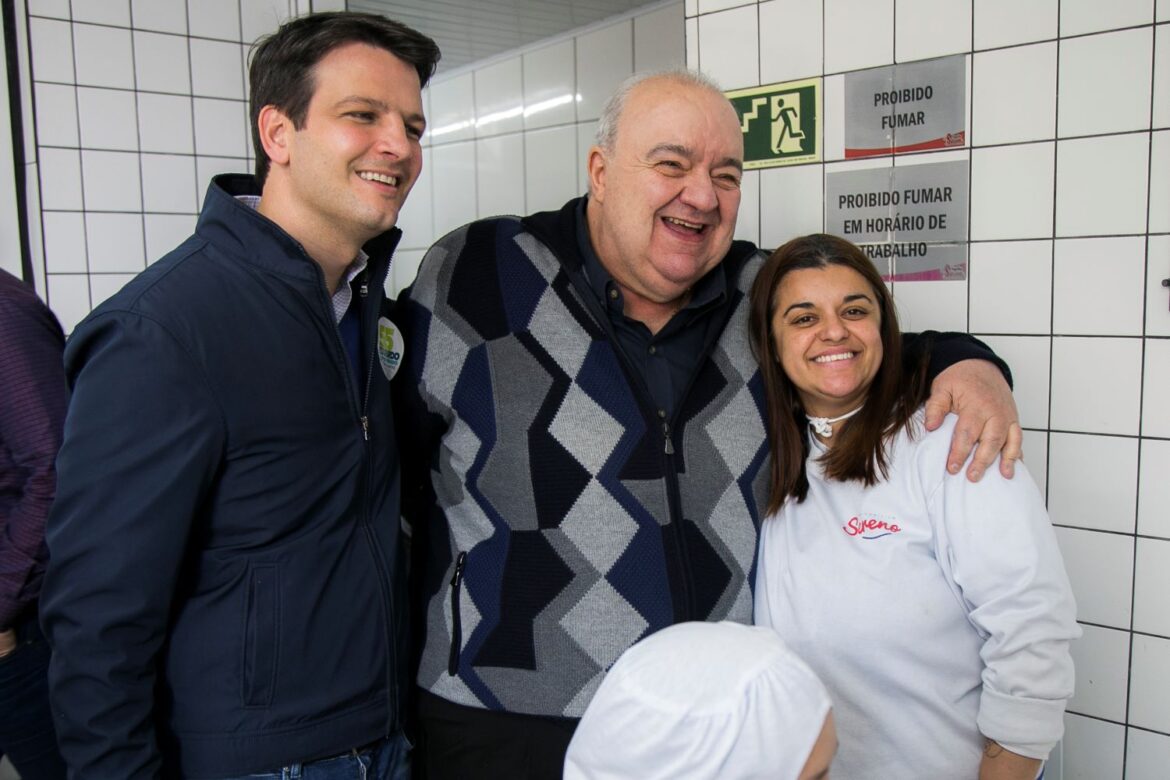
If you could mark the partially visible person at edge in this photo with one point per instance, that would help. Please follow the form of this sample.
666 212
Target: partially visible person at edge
590 462
225 594
936 609
33 396
706 701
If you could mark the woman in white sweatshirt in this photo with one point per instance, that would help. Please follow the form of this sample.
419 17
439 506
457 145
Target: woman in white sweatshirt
936 610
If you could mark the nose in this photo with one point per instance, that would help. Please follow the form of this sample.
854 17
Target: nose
833 328
699 192
394 138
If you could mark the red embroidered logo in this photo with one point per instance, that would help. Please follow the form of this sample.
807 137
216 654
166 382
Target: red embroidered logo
870 528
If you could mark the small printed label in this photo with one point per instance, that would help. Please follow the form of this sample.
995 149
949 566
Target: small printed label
870 527
390 347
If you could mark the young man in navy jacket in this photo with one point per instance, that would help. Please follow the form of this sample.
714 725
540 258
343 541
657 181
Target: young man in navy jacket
224 596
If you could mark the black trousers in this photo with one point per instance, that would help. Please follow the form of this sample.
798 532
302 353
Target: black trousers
470 743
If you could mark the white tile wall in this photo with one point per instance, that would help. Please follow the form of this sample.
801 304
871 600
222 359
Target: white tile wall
64 241
1155 409
452 110
1149 688
802 52
164 232
659 39
1014 95
56 107
1160 182
160 64
116 13
747 227
1105 82
168 184
549 78
102 286
931 305
605 58
1154 492
1097 286
51 45
214 19
550 167
499 160
161 15
107 119
111 180
1092 556
452 171
1086 16
1148 755
1151 584
1011 192
931 28
1162 76
1006 282
215 69
114 243
1036 457
1086 370
1101 656
164 123
499 99
1157 308
1105 502
1093 749
1102 185
791 203
1007 22
104 56
729 47
858 34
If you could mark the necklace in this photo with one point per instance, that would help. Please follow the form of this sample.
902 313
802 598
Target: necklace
824 425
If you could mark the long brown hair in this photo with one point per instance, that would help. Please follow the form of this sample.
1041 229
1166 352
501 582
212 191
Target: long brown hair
859 449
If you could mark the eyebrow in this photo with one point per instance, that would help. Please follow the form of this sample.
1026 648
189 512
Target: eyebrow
846 299
687 152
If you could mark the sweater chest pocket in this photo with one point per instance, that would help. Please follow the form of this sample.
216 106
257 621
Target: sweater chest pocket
261 629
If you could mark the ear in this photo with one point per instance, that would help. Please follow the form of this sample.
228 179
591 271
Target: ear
596 168
275 132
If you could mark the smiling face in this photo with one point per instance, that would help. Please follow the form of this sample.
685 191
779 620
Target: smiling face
342 177
827 329
665 197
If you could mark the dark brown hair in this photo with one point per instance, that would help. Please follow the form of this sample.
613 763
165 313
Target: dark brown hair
859 448
281 72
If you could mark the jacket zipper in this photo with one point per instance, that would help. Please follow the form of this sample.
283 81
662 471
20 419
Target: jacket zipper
363 420
456 622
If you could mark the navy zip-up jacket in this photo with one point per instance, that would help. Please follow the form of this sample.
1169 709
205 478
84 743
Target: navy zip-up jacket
224 594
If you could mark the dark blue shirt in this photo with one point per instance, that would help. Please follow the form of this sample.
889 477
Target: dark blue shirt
665 360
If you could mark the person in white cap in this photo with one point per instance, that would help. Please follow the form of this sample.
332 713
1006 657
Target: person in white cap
700 701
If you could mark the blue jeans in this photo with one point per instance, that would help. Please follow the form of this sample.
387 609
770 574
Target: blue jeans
385 760
27 736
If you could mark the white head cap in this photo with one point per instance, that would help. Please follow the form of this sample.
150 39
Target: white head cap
701 700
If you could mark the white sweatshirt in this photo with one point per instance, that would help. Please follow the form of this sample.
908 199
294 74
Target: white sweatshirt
935 610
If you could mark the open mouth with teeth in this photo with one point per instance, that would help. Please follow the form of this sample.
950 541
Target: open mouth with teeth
683 226
381 178
833 358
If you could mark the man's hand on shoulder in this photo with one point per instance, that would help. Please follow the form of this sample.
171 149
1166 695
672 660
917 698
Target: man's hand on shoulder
977 392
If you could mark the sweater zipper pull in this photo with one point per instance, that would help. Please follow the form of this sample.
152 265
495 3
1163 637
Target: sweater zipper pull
365 427
666 434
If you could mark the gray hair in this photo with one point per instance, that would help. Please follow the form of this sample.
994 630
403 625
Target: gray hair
611 113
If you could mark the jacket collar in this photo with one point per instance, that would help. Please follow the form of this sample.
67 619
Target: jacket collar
238 230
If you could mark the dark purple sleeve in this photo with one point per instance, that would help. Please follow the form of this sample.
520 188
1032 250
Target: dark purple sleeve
33 397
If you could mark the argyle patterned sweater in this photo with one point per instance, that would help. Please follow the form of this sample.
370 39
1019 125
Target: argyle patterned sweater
556 519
